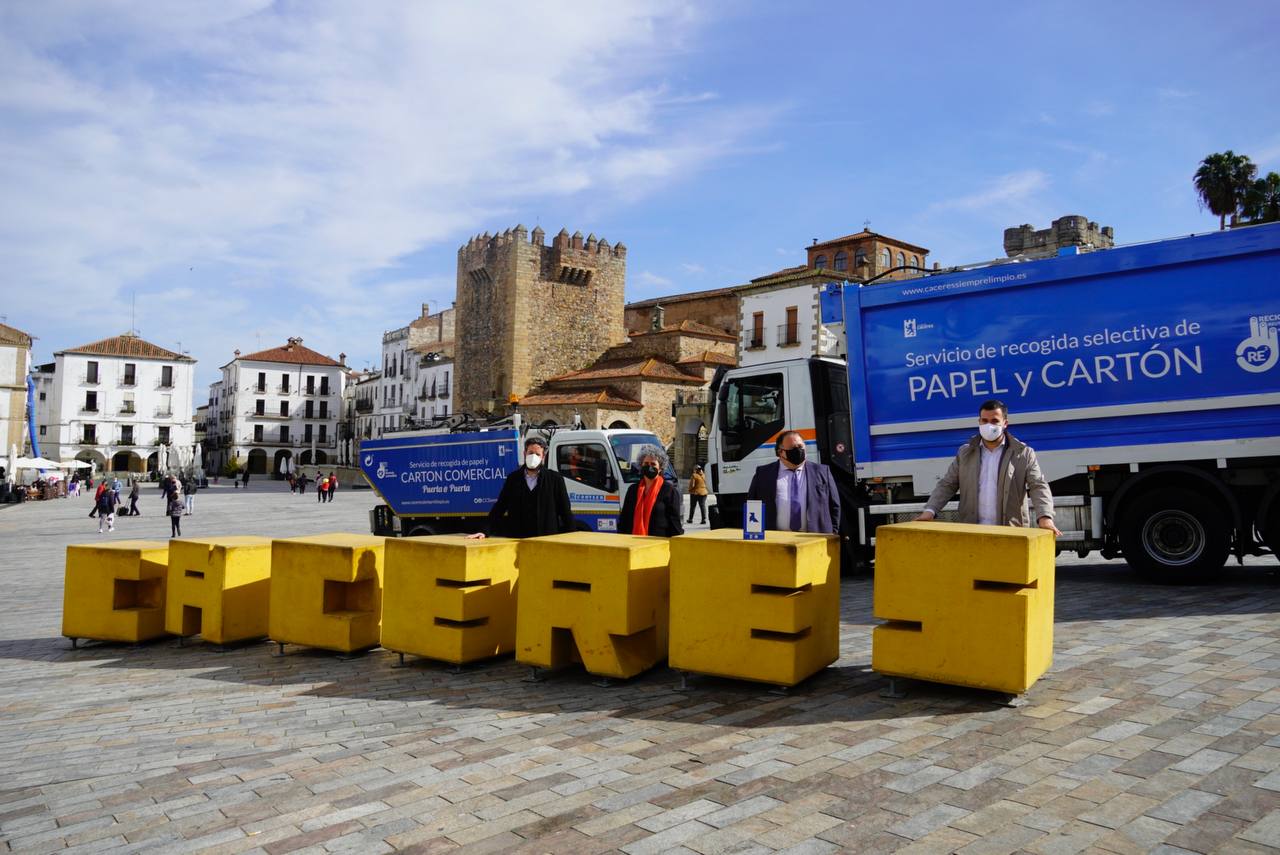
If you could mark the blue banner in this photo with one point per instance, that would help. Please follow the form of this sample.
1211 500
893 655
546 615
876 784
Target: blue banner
1122 326
442 475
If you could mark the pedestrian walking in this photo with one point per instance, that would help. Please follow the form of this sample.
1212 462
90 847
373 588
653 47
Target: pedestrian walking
190 490
698 493
293 483
133 501
102 487
106 507
246 478
322 487
333 486
302 483
116 487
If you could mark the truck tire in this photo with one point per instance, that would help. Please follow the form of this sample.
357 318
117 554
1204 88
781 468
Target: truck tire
1174 536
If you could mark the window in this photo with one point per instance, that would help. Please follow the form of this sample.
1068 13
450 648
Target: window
324 430
91 402
130 374
306 433
259 407
324 385
90 434
790 332
311 384
284 409
162 433
886 259
757 329
257 433
42 394
284 433
91 372
915 261
127 406
284 383
820 262
308 409
42 430
126 434
262 381
324 409
841 261
754 412
166 377
902 259
587 463
859 257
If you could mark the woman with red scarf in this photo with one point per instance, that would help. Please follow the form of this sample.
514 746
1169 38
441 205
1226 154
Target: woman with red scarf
652 507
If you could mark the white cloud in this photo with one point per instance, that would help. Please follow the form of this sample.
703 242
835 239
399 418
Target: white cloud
295 155
1098 109
692 267
1012 192
648 279
1173 93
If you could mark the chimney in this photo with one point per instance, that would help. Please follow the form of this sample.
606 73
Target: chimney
659 318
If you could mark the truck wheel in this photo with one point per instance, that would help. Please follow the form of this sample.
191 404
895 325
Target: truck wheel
1174 536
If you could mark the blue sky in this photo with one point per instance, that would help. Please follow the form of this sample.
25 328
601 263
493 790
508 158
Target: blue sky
251 170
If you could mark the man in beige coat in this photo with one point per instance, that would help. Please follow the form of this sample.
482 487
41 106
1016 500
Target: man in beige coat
994 473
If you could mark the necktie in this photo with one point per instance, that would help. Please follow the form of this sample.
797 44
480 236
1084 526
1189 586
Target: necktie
796 499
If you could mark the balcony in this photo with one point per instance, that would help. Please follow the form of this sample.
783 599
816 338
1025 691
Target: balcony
89 409
282 390
87 440
161 384
164 413
254 414
788 335
89 379
127 410
128 382
757 341
363 406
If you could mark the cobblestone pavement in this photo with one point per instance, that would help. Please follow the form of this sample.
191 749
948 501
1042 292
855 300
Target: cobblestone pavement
1157 730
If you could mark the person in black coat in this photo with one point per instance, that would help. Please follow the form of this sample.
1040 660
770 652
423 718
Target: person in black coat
664 508
534 500
816 509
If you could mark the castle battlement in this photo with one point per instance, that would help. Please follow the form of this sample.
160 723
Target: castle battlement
574 246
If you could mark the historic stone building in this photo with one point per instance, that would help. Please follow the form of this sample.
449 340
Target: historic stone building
866 254
1072 230
527 311
638 383
716 308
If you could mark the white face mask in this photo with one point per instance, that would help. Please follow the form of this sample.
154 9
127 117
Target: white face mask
990 432
532 461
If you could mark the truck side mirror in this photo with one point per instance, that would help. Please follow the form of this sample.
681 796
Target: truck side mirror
610 483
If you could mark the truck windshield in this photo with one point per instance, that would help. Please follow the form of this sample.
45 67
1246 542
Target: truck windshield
627 449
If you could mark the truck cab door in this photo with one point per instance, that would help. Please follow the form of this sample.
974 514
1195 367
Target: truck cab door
750 411
590 475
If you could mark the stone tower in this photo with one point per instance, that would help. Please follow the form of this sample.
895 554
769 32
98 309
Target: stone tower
1072 230
527 311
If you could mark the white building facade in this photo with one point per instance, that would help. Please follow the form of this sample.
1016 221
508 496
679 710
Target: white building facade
780 319
114 403
395 403
276 409
15 365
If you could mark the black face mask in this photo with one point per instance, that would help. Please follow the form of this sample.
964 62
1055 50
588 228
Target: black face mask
649 471
795 456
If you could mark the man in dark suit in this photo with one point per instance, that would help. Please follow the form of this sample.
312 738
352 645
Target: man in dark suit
534 500
798 494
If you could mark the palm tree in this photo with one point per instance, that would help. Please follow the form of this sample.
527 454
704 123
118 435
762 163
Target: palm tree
1262 201
1221 183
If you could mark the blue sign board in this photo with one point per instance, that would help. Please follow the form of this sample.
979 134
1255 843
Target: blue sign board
1138 327
457 474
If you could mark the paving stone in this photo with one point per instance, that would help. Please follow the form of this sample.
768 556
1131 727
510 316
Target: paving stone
1158 726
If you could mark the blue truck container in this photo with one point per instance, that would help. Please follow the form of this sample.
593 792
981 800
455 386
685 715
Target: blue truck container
1146 377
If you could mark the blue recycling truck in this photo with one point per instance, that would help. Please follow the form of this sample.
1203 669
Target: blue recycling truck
1146 377
437 482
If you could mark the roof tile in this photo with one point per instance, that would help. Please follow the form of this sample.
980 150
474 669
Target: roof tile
128 345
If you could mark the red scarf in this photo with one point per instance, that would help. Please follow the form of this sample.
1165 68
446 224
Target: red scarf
644 504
